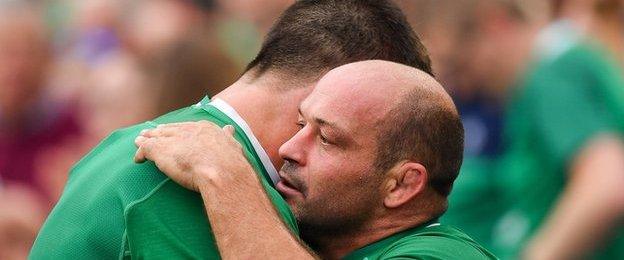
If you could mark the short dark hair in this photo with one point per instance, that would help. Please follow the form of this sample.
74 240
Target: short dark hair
423 128
314 36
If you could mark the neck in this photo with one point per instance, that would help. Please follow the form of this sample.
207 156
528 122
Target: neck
337 246
265 110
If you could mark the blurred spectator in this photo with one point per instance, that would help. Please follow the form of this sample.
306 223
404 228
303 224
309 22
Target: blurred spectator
182 56
154 25
261 13
96 29
105 64
86 33
21 216
564 170
157 71
30 122
117 95
242 24
191 68
467 39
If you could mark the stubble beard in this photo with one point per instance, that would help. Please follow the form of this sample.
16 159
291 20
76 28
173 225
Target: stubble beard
333 218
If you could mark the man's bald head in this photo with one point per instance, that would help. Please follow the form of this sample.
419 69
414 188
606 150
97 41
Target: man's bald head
415 117
360 121
423 126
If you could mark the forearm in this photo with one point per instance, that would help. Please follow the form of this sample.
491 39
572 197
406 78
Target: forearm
591 205
244 221
574 228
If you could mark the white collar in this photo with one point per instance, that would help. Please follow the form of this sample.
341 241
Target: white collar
264 157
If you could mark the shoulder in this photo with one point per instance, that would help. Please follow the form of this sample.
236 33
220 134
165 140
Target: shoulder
438 242
120 139
108 170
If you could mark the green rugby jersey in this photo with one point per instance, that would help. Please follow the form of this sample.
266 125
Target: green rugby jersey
114 208
561 106
429 241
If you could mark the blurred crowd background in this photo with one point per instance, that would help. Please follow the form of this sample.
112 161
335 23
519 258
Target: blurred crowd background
538 83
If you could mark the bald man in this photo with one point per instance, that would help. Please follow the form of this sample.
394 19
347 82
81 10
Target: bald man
113 208
367 175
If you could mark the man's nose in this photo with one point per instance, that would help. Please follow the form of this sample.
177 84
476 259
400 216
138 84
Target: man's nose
293 150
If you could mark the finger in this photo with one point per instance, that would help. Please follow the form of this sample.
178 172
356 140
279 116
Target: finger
229 130
141 143
150 148
145 148
211 126
186 125
139 156
177 124
140 140
159 132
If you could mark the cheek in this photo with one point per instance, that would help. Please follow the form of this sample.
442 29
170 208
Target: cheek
332 173
330 179
319 178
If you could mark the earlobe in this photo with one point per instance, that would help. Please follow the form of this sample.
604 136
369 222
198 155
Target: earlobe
408 181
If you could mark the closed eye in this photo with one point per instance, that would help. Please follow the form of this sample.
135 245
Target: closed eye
324 140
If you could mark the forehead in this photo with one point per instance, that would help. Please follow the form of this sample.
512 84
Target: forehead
354 99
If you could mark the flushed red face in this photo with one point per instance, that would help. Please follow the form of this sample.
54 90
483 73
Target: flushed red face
329 178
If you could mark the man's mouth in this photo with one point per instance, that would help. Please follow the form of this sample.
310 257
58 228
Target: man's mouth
287 189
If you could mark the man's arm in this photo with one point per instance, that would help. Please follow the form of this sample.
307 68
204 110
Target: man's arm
590 206
203 157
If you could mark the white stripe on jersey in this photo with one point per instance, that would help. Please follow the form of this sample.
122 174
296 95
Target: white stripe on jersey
264 157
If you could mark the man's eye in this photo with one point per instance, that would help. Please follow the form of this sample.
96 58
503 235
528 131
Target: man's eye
324 140
301 124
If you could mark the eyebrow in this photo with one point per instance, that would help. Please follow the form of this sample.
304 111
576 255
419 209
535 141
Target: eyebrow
323 122
341 134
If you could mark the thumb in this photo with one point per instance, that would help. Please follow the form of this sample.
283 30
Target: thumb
229 130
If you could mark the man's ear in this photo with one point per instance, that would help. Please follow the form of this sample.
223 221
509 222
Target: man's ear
406 181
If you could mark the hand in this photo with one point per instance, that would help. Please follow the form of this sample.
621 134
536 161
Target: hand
192 153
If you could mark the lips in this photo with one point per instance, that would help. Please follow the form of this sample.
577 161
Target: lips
286 188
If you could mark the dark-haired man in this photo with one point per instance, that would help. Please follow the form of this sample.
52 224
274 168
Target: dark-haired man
113 208
366 179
